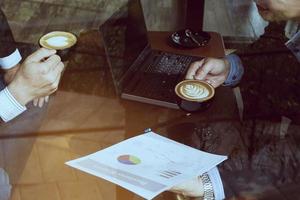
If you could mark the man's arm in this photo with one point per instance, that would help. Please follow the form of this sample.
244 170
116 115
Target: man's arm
7 42
9 106
9 58
216 71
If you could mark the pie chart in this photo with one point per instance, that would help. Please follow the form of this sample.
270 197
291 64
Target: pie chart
129 160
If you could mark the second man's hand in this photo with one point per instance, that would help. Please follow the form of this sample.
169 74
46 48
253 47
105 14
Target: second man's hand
212 70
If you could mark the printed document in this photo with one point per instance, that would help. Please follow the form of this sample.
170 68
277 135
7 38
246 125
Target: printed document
147 164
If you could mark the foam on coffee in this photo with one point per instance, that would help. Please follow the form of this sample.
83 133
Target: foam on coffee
194 90
58 40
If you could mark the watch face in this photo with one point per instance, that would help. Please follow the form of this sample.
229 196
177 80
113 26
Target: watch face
188 38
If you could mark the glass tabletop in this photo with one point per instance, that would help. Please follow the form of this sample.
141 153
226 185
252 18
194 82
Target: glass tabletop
86 115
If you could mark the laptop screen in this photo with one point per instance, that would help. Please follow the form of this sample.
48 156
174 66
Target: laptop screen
124 37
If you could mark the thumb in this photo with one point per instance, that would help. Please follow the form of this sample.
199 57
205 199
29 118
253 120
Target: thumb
40 55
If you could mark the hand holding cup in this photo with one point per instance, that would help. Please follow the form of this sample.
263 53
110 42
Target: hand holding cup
38 76
211 70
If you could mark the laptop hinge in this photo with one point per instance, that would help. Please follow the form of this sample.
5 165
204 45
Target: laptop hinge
136 64
149 101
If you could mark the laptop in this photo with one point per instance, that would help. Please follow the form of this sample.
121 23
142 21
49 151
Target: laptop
140 73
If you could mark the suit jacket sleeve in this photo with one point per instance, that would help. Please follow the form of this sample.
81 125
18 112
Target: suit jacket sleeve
7 43
9 56
272 75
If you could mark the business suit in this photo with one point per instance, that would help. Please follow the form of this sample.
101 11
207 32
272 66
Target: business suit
30 120
272 77
7 43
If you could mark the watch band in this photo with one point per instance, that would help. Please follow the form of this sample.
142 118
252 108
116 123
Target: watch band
208 188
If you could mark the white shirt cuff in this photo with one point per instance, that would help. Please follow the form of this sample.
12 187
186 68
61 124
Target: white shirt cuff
9 106
11 60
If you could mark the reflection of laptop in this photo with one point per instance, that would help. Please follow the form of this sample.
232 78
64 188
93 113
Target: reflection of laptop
140 73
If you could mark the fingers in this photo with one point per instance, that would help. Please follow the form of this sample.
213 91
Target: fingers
52 78
52 61
193 69
58 68
40 55
35 102
53 85
53 69
199 70
191 188
46 99
40 102
211 70
213 83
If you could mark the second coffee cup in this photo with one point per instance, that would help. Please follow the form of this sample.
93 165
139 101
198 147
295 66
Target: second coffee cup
194 95
60 41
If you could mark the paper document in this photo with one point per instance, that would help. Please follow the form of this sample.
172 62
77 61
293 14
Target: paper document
147 164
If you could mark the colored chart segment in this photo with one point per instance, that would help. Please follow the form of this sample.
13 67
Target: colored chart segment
129 160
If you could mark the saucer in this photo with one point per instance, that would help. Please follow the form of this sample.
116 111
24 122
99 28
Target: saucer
182 39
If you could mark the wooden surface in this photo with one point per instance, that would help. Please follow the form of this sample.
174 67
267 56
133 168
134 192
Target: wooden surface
85 116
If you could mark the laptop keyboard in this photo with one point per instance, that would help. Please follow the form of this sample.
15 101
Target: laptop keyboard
169 64
162 76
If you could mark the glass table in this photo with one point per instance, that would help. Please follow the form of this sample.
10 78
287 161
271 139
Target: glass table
85 115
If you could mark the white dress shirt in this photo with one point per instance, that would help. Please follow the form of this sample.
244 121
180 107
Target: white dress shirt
9 106
10 60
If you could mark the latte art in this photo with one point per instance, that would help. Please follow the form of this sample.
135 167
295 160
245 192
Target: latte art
194 91
194 95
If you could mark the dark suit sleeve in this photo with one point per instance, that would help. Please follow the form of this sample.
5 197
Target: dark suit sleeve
7 43
272 75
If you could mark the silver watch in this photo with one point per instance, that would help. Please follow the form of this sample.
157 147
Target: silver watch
208 188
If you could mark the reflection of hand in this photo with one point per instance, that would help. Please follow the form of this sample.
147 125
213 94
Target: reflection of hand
212 70
10 74
40 101
38 76
191 188
279 10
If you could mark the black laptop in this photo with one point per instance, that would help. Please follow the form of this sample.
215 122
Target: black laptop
139 72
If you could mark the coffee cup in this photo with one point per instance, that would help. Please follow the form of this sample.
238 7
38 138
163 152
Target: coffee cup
60 41
194 95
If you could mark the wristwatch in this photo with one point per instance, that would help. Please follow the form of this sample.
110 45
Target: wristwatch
208 188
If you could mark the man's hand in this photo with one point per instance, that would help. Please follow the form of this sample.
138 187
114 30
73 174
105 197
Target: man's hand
212 70
191 188
279 10
10 75
40 101
37 77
